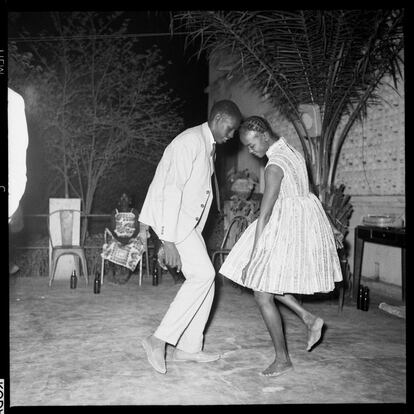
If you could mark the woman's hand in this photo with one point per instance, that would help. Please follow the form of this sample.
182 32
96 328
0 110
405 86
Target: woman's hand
244 272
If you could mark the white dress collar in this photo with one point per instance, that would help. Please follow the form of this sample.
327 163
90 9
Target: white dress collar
275 146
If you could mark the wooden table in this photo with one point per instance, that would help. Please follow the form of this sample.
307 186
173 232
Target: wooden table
390 236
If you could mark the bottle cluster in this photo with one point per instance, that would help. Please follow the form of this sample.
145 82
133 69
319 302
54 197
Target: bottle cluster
96 282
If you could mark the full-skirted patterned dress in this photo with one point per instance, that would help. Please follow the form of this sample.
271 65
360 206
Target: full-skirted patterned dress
296 252
127 255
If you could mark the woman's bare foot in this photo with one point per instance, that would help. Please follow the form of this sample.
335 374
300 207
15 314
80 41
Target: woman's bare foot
314 332
277 368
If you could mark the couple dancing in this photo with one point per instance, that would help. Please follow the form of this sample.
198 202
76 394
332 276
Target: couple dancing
290 249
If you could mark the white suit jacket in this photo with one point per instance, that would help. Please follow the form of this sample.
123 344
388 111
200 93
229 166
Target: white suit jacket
180 195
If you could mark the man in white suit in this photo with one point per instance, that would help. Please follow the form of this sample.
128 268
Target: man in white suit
18 141
176 207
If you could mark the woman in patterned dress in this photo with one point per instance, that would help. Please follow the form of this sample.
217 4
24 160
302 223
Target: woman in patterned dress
124 247
290 249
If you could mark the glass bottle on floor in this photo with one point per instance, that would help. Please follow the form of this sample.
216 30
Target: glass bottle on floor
73 280
97 284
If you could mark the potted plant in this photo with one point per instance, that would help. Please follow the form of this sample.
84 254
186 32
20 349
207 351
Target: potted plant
332 60
242 201
242 182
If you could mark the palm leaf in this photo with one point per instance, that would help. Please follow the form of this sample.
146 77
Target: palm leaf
336 59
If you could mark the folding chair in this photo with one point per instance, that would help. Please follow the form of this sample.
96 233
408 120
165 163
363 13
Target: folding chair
62 241
108 232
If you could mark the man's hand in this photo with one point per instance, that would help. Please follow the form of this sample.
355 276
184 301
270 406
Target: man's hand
172 257
161 257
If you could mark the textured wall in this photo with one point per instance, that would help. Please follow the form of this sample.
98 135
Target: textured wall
372 167
373 156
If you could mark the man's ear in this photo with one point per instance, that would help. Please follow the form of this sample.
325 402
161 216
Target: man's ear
218 117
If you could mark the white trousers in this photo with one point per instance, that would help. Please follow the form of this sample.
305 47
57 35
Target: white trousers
183 324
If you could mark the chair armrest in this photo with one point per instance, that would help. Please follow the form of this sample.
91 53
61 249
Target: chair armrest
48 231
106 233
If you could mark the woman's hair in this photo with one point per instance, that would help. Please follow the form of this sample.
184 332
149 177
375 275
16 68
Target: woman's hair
257 124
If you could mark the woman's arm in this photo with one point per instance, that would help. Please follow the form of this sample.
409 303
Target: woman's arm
112 227
136 224
112 224
273 178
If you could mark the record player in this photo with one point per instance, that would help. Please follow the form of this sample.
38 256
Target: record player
385 220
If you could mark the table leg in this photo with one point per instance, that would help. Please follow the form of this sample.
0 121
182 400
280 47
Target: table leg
342 285
403 272
358 254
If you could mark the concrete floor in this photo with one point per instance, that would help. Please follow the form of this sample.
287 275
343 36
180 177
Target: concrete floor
73 347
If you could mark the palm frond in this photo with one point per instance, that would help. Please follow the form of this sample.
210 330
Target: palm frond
336 59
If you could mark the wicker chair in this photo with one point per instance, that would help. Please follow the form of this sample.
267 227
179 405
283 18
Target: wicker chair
237 226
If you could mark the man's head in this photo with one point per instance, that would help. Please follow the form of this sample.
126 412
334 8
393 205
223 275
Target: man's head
224 120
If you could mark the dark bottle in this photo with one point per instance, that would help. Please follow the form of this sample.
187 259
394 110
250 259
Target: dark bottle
155 273
154 262
365 299
73 280
97 284
360 296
